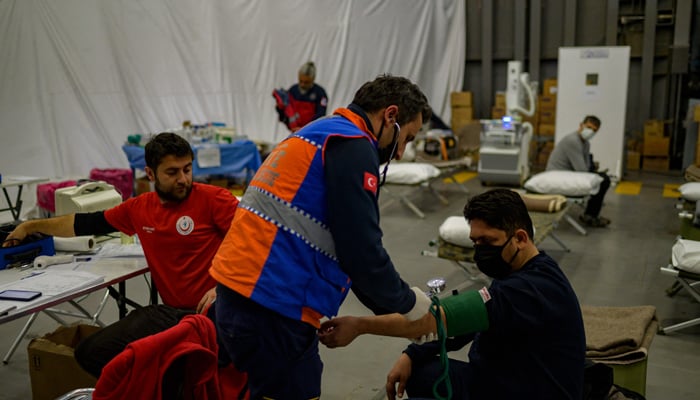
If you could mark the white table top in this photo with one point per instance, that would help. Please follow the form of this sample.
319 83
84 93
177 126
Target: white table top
10 180
113 270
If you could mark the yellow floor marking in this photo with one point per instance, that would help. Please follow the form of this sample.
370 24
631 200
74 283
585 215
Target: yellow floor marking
629 188
461 177
671 190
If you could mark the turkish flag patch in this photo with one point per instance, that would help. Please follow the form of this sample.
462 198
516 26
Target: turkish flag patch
370 183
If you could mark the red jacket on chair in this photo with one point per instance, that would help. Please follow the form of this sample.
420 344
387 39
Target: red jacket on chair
137 372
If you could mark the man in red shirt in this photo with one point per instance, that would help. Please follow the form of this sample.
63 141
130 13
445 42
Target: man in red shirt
180 227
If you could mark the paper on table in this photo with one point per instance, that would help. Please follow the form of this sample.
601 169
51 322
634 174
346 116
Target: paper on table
52 283
120 250
78 243
209 156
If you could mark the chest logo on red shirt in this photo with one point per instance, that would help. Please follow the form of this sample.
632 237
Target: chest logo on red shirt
370 183
185 225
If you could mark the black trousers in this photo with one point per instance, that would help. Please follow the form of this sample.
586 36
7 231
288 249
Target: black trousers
595 202
425 374
95 351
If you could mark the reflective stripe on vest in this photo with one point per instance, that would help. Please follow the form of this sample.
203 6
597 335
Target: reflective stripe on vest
289 218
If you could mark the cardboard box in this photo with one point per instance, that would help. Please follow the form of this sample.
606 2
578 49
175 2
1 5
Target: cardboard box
468 137
635 145
500 99
52 368
143 185
547 103
498 112
457 124
543 157
548 117
697 154
634 160
696 113
549 86
463 113
656 146
654 127
546 129
655 163
461 116
461 99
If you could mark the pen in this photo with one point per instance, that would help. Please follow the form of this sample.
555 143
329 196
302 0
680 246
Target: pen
32 274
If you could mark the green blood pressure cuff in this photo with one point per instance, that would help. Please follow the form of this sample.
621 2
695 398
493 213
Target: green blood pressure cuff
465 313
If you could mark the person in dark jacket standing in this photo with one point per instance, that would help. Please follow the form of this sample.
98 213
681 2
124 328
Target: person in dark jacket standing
304 102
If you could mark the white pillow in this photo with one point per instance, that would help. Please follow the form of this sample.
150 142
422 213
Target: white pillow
456 230
409 173
685 255
690 191
566 183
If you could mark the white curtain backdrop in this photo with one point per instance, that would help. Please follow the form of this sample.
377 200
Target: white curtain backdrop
77 77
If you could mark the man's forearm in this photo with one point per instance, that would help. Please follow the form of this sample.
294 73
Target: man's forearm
61 226
397 326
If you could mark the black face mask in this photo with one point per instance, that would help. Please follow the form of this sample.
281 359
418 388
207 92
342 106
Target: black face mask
489 260
386 154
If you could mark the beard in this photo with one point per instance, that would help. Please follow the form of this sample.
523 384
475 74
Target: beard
172 196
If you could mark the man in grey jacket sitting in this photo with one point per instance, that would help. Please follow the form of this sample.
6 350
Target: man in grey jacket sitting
573 153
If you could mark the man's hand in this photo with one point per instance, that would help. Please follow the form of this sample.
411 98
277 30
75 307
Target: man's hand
399 373
15 237
207 299
339 332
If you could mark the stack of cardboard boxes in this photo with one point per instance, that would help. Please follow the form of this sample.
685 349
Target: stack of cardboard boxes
547 118
464 127
635 147
462 110
543 122
547 108
656 146
499 108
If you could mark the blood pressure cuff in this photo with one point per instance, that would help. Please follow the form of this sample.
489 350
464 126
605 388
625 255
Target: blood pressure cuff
465 313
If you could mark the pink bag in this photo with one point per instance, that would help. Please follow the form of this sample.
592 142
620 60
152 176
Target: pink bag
45 194
121 178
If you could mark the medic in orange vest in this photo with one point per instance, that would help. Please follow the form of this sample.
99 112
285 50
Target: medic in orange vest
307 231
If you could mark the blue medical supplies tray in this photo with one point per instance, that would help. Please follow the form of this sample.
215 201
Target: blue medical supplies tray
31 247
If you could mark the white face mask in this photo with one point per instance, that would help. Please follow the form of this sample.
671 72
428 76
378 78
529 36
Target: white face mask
587 133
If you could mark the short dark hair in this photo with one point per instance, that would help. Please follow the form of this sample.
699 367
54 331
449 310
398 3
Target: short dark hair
592 119
501 209
389 90
166 144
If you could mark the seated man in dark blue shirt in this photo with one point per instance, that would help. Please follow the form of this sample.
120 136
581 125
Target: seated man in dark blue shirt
526 329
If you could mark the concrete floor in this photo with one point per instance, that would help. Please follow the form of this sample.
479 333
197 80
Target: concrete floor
616 266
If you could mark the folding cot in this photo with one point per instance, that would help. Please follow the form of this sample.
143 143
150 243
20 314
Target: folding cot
435 155
420 175
685 268
575 186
